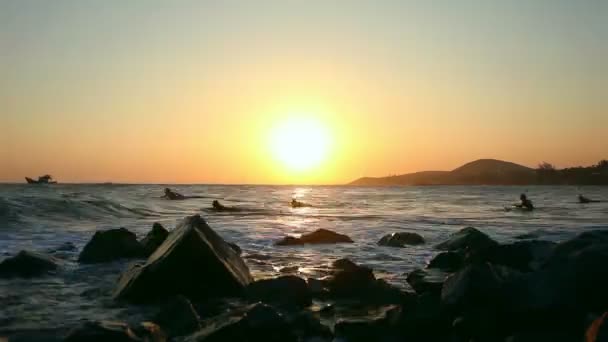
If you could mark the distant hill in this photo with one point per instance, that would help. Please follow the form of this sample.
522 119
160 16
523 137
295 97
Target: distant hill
479 172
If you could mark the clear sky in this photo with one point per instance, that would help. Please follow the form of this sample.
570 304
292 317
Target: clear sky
192 91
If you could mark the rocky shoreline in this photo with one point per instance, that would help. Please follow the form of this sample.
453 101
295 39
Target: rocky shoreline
475 289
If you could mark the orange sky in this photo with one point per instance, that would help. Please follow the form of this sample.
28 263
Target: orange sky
189 93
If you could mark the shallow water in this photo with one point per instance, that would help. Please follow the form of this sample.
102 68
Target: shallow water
44 217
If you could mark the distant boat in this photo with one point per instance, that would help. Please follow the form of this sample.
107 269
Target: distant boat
46 179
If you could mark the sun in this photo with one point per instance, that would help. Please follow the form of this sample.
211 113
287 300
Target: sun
300 143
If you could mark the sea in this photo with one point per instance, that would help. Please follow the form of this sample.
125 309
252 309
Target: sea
44 217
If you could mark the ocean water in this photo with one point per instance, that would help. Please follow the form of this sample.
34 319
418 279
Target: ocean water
44 217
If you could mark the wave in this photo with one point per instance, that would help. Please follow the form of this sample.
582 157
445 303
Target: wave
66 207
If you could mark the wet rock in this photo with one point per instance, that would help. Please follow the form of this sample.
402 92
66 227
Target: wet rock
524 256
477 285
569 248
154 238
426 280
447 261
319 236
424 319
177 317
401 239
308 327
258 322
110 245
193 261
27 264
317 287
235 248
285 290
598 330
350 279
103 331
467 239
381 326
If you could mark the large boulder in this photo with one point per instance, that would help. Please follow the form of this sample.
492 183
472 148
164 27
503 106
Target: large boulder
258 322
27 264
155 237
401 239
177 317
426 280
467 238
524 256
194 261
447 261
319 236
285 290
103 331
110 245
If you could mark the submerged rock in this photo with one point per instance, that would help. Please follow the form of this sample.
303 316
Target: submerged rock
110 245
401 239
285 290
104 331
154 238
194 261
257 322
177 317
467 238
319 236
27 264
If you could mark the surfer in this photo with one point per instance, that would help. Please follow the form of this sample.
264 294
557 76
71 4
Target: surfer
583 199
525 203
217 206
172 195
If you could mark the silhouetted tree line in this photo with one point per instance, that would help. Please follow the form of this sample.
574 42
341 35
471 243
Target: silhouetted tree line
596 174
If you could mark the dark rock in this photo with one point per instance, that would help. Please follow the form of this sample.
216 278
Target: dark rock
65 247
258 322
467 239
317 287
235 248
104 331
424 319
477 285
319 236
569 248
193 261
447 261
177 317
381 326
110 245
426 280
401 239
284 290
27 264
308 327
527 236
598 330
154 238
524 256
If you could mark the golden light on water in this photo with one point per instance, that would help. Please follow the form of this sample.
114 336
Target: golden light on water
300 143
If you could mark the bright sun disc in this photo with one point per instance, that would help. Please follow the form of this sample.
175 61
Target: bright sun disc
299 143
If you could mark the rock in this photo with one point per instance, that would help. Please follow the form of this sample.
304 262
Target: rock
319 236
110 245
598 330
381 326
235 248
64 247
27 264
177 317
426 281
447 261
477 285
524 256
424 319
285 290
258 322
154 238
317 286
401 239
103 331
467 239
350 280
308 327
564 250
193 261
